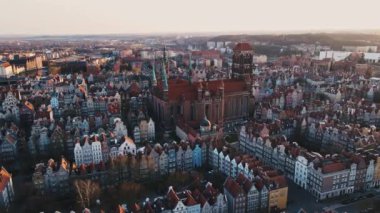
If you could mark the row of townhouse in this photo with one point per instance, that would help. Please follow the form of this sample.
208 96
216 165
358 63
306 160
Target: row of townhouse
8 143
324 176
332 176
202 199
6 189
148 162
73 142
71 94
251 186
329 136
277 152
352 110
289 97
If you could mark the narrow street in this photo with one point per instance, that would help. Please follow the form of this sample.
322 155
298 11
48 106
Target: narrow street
299 198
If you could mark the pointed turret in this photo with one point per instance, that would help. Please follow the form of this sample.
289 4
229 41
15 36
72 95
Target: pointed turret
154 79
189 73
165 85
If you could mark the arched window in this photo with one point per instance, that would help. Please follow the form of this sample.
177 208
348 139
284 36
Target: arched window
207 110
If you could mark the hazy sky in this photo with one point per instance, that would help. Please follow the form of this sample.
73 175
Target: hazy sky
146 16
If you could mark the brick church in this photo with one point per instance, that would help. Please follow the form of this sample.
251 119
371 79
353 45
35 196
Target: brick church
209 104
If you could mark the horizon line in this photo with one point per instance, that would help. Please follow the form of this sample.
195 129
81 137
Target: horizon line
262 32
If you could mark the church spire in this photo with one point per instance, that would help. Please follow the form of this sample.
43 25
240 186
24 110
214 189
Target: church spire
189 72
154 79
165 85
164 54
164 74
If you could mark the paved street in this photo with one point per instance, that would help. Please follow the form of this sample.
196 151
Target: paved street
300 198
359 205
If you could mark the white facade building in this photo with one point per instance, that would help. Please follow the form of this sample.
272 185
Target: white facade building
301 171
10 105
211 44
136 134
5 70
44 141
87 153
341 55
370 175
372 57
336 55
6 189
360 48
151 130
78 154
120 129
96 148
127 147
260 59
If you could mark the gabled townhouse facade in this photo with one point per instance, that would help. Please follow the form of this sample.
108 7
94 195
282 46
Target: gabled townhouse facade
6 189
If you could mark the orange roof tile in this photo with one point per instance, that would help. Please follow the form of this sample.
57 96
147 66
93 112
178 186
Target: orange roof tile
190 201
243 47
180 88
281 181
333 167
4 178
172 196
233 187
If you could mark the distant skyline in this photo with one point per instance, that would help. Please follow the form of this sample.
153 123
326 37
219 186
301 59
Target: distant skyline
74 17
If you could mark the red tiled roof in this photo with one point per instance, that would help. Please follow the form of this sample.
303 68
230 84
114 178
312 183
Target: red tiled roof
243 47
172 196
259 184
148 208
207 53
210 189
136 208
281 181
199 197
11 139
4 179
5 64
190 201
134 89
333 167
121 209
241 178
233 187
180 88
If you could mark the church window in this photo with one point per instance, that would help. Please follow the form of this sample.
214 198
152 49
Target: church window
207 110
192 112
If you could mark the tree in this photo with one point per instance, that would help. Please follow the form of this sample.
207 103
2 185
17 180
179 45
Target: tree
131 192
87 191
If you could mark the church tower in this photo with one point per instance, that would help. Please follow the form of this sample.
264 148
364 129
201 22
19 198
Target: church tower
242 61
